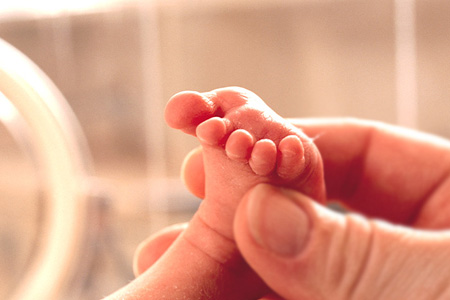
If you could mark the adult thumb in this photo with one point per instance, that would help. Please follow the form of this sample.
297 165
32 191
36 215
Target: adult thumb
305 251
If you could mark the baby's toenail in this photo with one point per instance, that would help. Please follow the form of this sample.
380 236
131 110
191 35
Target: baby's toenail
289 152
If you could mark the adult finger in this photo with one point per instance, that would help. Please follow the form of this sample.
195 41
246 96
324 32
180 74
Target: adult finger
384 171
150 250
193 173
305 251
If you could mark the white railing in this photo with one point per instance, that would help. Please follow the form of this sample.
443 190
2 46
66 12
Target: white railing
63 160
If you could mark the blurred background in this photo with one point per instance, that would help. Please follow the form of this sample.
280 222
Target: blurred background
117 62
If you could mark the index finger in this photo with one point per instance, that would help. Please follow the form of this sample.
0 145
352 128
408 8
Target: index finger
384 171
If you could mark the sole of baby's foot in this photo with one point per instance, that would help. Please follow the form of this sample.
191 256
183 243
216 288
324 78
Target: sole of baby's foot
244 143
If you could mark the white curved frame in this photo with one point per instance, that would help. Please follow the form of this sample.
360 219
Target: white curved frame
61 152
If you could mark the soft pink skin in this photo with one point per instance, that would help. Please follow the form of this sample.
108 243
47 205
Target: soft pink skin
244 143
373 168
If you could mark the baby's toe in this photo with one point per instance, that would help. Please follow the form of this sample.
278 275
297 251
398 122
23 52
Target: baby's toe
213 131
239 145
264 157
291 160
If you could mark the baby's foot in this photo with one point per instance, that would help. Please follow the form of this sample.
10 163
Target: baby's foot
244 143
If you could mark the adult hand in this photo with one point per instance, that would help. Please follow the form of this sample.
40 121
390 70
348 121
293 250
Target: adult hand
305 251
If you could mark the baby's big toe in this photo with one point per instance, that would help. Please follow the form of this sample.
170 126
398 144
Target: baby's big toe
186 110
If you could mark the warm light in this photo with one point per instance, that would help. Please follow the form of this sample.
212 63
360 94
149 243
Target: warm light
54 7
8 112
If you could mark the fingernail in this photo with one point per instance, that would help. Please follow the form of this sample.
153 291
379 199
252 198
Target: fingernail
276 221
